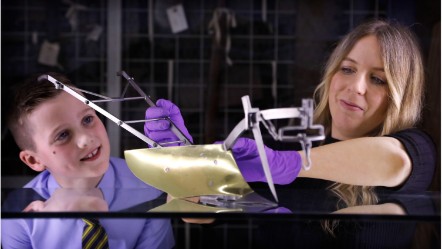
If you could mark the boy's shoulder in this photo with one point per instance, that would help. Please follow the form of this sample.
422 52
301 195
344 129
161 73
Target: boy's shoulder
118 166
123 176
117 161
117 175
40 181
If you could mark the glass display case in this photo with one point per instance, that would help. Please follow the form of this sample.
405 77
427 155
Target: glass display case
303 218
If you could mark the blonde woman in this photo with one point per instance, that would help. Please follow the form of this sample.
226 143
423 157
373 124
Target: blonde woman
369 101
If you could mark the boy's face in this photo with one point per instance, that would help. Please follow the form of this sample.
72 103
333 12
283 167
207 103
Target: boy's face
71 142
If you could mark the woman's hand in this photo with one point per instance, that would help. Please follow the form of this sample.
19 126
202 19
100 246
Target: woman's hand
159 130
284 165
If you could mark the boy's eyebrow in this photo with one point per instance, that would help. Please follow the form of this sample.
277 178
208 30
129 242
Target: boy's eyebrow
82 112
354 61
88 108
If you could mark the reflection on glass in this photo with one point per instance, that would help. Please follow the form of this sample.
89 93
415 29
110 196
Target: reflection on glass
304 218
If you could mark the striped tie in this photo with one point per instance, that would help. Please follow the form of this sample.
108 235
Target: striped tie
94 235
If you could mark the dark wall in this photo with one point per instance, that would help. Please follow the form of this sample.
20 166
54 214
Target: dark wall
287 43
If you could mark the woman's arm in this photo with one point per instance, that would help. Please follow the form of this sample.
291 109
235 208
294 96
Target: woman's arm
385 208
369 161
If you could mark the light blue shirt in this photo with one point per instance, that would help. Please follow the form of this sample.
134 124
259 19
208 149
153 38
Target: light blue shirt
121 190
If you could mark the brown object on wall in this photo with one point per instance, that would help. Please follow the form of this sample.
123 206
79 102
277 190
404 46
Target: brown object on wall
216 72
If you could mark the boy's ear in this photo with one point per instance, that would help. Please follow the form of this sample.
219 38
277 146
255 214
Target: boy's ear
29 158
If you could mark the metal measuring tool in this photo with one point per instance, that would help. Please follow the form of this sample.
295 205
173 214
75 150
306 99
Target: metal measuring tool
123 124
253 117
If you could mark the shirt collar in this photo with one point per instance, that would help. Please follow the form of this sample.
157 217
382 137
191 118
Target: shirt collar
106 185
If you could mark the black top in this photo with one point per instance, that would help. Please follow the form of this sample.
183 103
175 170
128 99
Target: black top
359 233
422 152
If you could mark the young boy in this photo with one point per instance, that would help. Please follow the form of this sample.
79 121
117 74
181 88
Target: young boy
59 136
65 140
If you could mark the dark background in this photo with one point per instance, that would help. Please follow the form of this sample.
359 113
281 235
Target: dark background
294 36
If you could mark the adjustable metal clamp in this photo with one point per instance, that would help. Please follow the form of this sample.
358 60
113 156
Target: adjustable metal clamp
252 118
75 92
305 114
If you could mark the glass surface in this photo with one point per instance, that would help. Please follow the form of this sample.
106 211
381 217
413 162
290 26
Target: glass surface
150 202
148 218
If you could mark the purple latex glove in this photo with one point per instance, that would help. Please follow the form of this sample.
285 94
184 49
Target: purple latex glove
284 165
160 131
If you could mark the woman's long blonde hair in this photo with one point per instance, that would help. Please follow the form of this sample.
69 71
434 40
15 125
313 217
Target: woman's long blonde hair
404 71
403 68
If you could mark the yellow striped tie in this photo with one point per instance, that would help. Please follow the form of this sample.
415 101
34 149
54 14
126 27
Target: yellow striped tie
94 235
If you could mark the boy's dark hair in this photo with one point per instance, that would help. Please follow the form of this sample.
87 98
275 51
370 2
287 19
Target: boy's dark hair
27 97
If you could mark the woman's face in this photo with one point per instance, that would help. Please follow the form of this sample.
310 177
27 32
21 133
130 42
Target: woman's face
358 96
